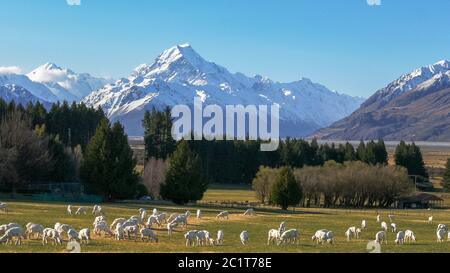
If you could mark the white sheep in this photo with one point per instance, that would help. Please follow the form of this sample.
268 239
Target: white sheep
223 215
4 228
440 234
155 212
84 235
152 220
119 233
81 211
73 235
319 235
201 237
364 224
358 233
380 237
393 227
384 226
117 221
187 214
101 228
349 234
34 229
244 237
273 236
430 220
162 218
181 220
378 218
171 227
149 234
191 237
172 217
97 210
410 236
131 230
50 233
142 210
199 214
130 222
16 233
329 237
98 219
448 237
291 236
220 236
249 212
400 240
69 209
441 226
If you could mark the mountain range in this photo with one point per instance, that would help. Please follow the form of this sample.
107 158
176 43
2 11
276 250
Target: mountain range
179 74
416 106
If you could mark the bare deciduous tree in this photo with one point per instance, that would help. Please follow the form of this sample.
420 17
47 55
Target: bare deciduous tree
154 175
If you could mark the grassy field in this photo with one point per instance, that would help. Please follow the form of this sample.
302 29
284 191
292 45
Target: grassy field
305 220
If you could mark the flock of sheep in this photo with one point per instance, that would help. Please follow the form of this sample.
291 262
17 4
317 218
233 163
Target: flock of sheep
141 227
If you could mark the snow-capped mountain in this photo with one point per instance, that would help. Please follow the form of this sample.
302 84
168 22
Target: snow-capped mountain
18 94
180 74
64 83
36 89
414 107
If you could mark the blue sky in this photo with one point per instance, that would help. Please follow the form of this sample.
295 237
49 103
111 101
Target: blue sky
347 45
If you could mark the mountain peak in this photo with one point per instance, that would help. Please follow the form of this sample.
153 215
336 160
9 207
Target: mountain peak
175 53
50 66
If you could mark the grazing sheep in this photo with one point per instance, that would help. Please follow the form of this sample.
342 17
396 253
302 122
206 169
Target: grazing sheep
319 235
171 227
130 222
73 235
384 226
220 236
4 207
393 227
117 221
448 237
329 237
181 220
57 225
142 210
364 224
282 228
358 233
201 237
97 210
410 236
84 235
16 233
149 234
155 212
172 217
101 229
244 237
187 214
50 233
400 240
430 220
131 231
249 212
380 237
223 215
191 237
99 219
152 220
440 235
349 234
162 218
81 211
291 236
4 228
273 236
119 233
441 226
199 214
378 218
64 228
34 229
69 209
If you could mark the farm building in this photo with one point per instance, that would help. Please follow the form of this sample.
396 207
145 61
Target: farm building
420 201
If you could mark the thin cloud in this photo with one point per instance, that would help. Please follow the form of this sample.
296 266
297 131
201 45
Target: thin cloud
374 2
73 2
10 70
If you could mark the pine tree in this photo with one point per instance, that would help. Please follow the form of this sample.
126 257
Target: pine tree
108 167
184 181
158 134
286 191
410 157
